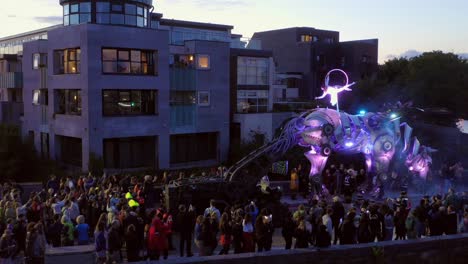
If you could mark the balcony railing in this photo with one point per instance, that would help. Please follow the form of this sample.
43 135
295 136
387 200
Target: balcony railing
11 80
183 79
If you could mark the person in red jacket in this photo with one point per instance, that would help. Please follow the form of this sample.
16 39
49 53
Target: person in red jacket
157 238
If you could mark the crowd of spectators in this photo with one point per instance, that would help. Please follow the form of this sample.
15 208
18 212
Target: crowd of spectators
117 216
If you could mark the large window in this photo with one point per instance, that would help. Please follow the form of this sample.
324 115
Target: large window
68 102
129 102
70 150
127 153
67 61
129 61
252 101
121 14
252 71
76 13
194 147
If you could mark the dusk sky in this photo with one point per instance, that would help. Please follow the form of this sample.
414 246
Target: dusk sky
402 26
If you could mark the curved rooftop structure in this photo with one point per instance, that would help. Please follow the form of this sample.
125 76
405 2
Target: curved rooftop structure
131 13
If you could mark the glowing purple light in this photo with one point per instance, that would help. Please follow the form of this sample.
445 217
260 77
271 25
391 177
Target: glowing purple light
411 168
333 91
349 144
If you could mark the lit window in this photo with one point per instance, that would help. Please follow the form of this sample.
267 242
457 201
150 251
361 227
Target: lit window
128 61
67 61
203 98
203 62
306 38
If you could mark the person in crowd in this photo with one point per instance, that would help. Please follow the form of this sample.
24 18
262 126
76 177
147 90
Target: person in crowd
364 232
67 235
132 244
376 224
212 209
465 223
389 224
20 231
327 221
33 252
337 216
288 230
199 234
8 247
100 241
348 230
436 220
82 230
237 234
114 242
300 213
264 231
225 239
248 234
294 183
186 225
411 225
323 237
400 221
451 221
301 235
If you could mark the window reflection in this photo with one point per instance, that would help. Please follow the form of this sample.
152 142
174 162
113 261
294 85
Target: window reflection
126 61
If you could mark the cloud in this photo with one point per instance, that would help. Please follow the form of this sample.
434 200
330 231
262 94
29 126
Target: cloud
49 19
410 54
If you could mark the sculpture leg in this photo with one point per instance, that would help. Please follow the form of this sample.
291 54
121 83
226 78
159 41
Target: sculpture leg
317 164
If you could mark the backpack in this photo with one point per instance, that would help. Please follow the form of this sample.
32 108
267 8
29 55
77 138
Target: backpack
101 242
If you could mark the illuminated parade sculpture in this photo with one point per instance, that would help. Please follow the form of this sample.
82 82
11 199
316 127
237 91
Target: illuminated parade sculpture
378 136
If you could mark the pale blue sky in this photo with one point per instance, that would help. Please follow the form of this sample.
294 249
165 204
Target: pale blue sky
421 25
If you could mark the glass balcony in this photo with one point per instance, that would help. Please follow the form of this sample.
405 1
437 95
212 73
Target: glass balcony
11 80
183 116
183 79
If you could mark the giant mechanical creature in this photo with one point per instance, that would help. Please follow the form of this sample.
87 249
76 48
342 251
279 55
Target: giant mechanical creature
379 136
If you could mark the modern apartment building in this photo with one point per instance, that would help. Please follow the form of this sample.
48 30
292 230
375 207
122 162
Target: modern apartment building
313 52
118 81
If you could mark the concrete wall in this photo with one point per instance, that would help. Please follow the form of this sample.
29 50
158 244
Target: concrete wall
71 255
447 250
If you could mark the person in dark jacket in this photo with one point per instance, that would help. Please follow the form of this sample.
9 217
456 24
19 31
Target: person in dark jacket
54 231
364 234
132 244
288 230
348 230
301 235
400 220
237 233
186 225
19 232
323 237
338 213
451 221
114 242
264 232
436 221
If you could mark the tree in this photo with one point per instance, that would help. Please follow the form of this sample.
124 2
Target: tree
431 80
